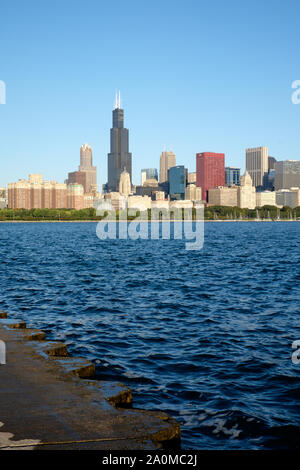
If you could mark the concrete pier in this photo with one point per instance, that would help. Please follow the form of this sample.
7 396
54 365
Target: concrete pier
49 401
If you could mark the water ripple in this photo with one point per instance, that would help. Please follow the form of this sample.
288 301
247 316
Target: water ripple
204 335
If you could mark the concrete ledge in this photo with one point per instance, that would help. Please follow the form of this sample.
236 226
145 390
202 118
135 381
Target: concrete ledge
13 324
78 366
51 348
46 405
116 393
28 334
170 433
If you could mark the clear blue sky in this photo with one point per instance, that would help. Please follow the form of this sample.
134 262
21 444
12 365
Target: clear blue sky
194 75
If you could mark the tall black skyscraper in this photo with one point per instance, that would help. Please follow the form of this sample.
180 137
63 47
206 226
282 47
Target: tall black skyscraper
119 156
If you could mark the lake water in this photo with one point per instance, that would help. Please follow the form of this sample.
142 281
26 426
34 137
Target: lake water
203 335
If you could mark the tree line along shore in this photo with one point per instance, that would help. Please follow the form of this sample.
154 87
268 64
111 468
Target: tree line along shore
210 213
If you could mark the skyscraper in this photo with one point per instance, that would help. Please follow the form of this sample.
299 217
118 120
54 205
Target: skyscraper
119 158
257 164
87 173
287 174
148 174
210 169
167 161
232 176
177 181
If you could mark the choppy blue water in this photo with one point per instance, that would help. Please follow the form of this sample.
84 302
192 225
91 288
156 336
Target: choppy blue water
204 335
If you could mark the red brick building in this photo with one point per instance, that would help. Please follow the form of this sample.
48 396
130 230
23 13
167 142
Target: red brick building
38 194
210 171
75 196
78 177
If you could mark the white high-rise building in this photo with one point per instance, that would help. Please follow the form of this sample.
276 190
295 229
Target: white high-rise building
193 193
246 194
223 196
288 197
287 174
124 184
257 164
265 198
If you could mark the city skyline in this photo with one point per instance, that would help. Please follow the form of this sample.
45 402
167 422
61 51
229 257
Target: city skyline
211 169
49 114
118 126
119 140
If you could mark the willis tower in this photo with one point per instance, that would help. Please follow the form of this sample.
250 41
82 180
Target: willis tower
119 157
